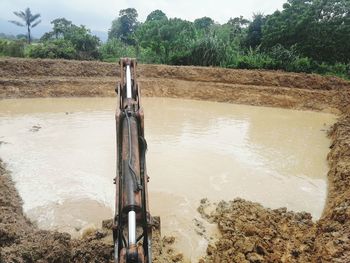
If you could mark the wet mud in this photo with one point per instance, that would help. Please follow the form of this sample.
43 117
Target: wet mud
249 232
252 233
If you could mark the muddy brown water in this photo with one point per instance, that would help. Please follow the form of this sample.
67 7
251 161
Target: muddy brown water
61 152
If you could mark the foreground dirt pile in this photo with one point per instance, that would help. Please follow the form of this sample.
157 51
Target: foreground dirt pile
252 233
21 241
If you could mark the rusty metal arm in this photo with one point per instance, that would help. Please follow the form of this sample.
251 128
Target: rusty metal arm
132 231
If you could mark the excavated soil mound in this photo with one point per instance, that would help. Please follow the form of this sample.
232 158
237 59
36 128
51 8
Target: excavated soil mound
252 233
249 232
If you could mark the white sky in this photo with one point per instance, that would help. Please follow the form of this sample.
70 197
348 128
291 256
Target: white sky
98 14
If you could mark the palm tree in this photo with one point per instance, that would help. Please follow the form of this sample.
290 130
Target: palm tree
29 20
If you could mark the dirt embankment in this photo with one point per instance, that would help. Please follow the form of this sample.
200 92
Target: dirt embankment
250 232
52 78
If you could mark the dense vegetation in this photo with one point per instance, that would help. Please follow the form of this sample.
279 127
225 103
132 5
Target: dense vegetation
306 36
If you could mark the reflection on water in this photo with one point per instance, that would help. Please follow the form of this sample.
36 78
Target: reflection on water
62 155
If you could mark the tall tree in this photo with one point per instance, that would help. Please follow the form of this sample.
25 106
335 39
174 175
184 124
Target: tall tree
124 26
156 15
61 26
28 19
203 23
287 27
167 39
328 35
319 29
237 25
254 31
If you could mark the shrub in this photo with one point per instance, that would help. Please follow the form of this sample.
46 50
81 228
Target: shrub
53 49
282 57
338 69
148 55
12 48
207 51
2 46
300 65
115 49
254 59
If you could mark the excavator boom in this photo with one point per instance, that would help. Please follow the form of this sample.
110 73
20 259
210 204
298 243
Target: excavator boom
132 229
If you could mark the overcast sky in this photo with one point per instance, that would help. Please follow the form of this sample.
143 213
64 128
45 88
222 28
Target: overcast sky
98 14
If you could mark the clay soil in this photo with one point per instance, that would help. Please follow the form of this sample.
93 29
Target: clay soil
249 232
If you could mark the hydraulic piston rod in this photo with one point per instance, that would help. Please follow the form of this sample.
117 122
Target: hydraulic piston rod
132 227
128 82
132 230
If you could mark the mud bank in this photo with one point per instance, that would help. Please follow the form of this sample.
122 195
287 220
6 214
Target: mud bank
55 78
250 233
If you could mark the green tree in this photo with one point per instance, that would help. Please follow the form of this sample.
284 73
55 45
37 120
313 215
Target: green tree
319 29
203 23
156 15
235 29
29 21
61 27
148 37
77 38
254 31
287 27
327 37
169 40
124 26
178 37
85 44
237 25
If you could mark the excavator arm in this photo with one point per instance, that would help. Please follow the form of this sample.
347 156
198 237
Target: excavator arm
132 229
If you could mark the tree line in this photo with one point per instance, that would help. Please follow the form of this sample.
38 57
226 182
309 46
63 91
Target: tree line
305 36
